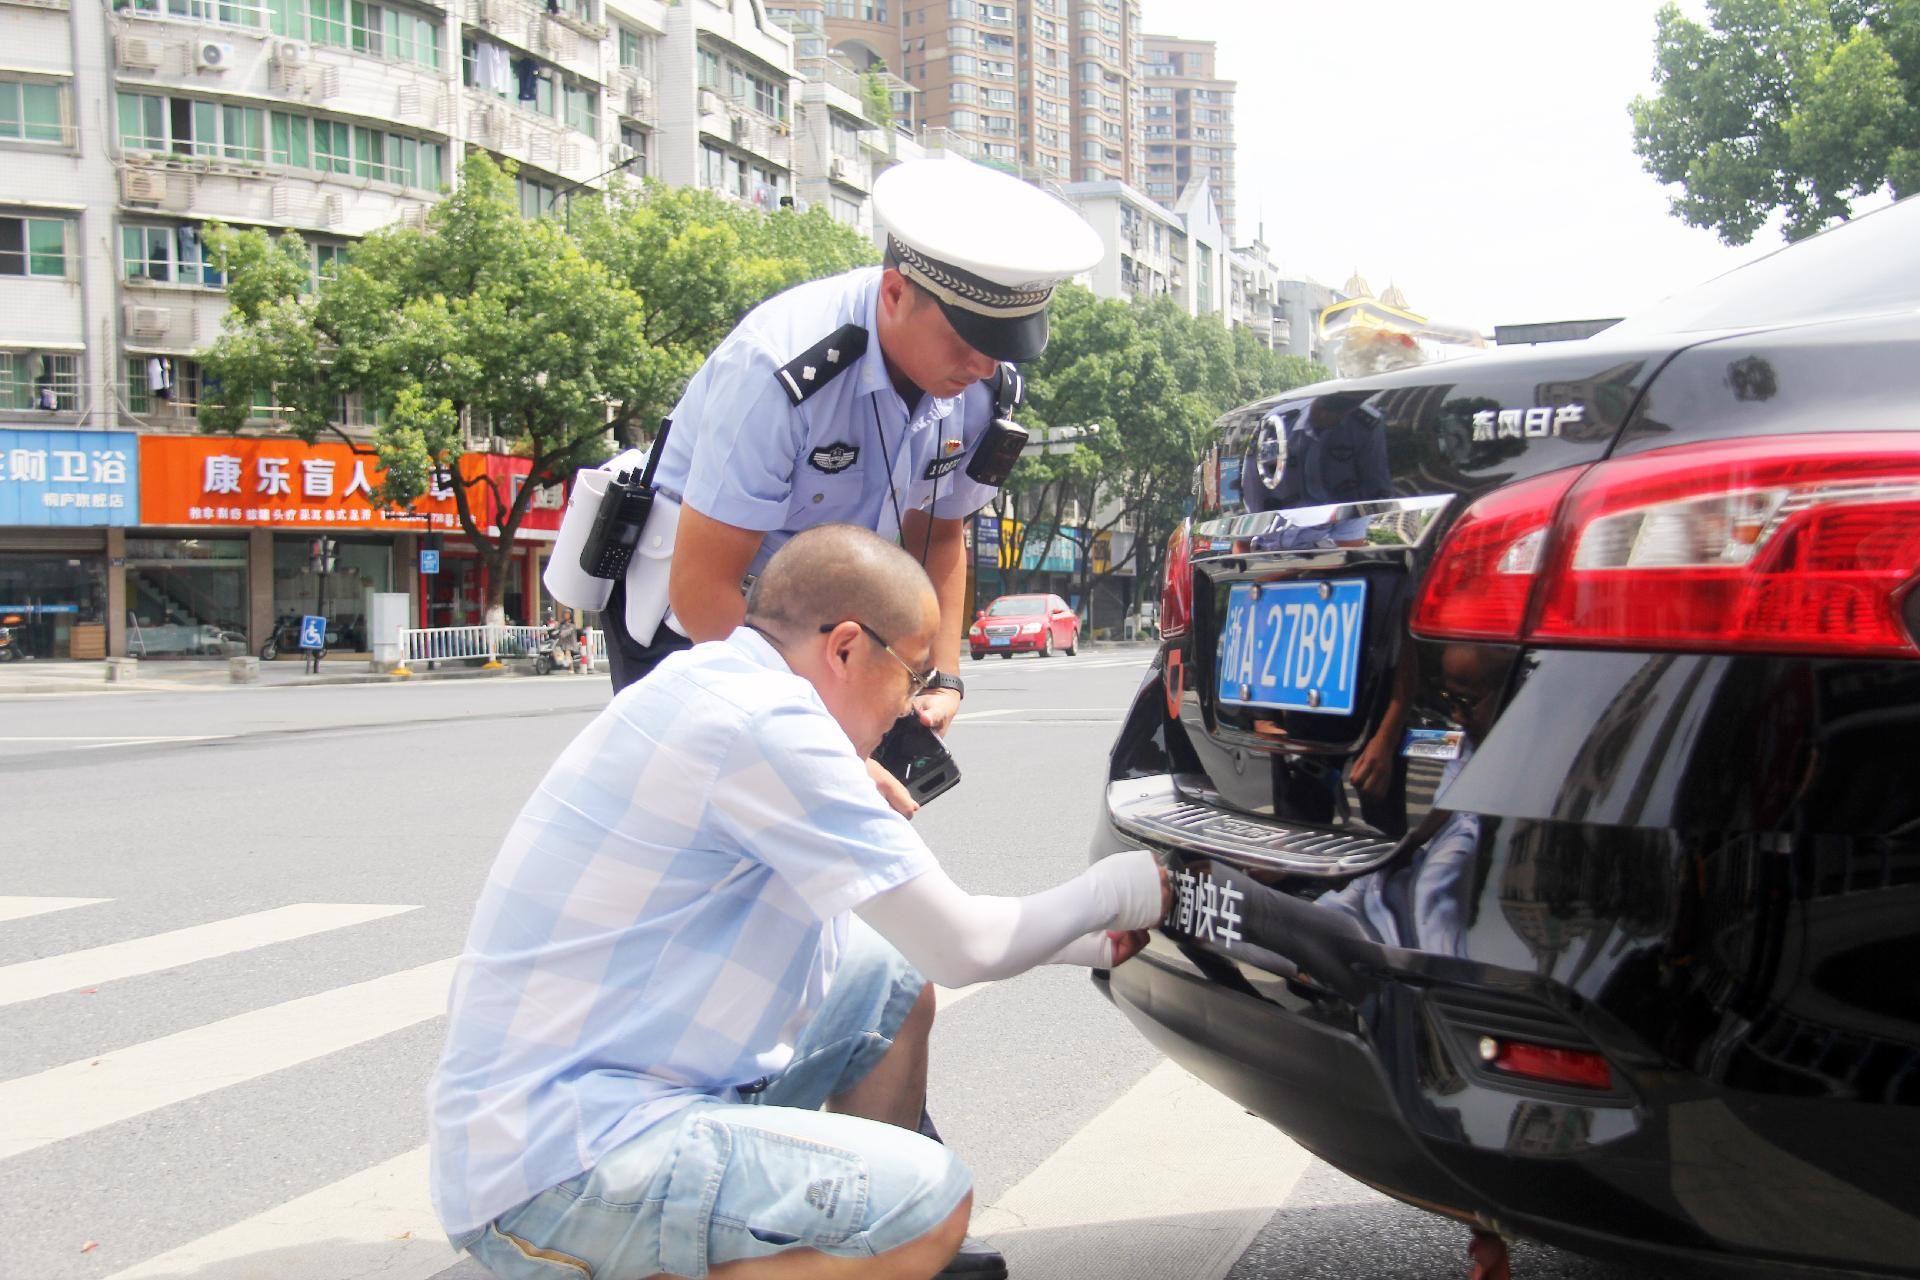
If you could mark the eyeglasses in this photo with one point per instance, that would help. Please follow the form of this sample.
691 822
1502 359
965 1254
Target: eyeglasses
917 681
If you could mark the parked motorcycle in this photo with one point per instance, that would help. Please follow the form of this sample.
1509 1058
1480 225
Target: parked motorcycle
10 650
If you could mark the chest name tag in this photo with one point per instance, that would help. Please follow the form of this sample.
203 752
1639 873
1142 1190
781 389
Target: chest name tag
833 458
943 466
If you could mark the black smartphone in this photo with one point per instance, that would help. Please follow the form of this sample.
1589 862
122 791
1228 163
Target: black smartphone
914 754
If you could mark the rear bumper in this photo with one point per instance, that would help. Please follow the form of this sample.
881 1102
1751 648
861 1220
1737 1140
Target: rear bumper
1673 1171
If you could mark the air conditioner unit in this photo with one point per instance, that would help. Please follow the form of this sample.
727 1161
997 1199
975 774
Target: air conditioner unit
212 55
290 52
620 154
639 98
285 202
289 79
329 83
148 322
741 129
837 167
333 210
494 13
413 215
137 54
138 186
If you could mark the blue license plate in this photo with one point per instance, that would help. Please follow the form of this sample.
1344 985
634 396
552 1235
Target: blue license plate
1293 646
1000 640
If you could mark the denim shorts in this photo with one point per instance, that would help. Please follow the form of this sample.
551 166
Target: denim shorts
719 1182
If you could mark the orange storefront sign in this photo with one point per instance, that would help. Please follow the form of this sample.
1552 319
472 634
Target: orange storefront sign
240 482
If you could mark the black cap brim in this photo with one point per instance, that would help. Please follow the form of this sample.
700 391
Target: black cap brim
1012 340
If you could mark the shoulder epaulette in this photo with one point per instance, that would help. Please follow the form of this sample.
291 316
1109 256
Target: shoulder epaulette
824 361
1009 390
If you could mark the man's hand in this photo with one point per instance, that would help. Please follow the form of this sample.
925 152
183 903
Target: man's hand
893 790
937 709
1127 943
1372 769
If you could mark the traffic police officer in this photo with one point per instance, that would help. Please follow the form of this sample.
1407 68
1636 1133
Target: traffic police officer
861 399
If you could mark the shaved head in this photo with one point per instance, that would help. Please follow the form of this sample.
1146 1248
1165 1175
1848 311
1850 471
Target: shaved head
835 572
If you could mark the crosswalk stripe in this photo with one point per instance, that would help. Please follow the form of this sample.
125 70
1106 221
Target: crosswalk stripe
377 1222
1094 1211
34 979
91 1093
21 908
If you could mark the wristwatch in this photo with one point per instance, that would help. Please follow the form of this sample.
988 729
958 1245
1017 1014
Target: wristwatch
941 680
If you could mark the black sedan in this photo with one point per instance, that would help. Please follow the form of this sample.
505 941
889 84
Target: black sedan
1536 742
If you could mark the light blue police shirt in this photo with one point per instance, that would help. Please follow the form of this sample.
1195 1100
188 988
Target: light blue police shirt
742 452
662 921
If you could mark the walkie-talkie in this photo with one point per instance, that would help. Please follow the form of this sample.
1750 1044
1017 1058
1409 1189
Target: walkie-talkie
622 516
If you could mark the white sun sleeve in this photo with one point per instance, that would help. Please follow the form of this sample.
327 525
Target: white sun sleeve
956 938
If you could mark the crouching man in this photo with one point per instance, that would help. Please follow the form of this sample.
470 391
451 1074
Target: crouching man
688 1033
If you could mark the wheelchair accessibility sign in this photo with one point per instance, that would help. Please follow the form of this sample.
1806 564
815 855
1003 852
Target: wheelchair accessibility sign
313 632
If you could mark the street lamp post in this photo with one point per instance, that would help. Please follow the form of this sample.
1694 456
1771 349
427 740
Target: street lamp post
570 188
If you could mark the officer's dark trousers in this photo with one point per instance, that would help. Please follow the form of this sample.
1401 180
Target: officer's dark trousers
629 659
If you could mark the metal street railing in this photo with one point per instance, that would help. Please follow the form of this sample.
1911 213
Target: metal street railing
431 645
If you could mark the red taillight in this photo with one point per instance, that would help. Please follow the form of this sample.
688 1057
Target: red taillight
1176 590
1582 1068
1802 545
1481 581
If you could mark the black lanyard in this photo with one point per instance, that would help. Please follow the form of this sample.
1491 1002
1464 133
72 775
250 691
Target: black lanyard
893 493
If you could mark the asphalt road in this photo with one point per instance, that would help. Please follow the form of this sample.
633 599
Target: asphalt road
199 1077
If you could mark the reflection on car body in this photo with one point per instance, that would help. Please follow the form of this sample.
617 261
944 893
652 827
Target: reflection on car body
1595 915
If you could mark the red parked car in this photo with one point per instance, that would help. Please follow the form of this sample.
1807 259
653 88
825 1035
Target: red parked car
1025 624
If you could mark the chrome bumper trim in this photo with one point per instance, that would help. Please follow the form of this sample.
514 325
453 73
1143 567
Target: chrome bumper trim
1151 809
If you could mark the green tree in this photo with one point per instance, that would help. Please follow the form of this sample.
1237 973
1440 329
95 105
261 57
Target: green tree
877 97
1797 107
701 263
485 315
525 332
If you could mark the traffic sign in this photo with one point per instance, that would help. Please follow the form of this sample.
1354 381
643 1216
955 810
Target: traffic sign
313 632
429 560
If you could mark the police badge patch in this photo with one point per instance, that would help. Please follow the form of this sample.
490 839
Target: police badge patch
833 458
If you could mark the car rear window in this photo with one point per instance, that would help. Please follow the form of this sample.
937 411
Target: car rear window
1869 266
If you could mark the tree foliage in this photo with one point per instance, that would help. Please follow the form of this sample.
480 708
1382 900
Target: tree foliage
701 262
1797 107
525 332
1153 379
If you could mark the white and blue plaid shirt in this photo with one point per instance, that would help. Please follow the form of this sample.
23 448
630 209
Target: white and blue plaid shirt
662 920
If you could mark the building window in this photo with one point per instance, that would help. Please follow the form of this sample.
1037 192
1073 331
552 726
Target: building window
167 255
143 122
39 380
33 247
635 140
583 110
636 52
709 69
153 380
33 112
536 198
328 260
713 168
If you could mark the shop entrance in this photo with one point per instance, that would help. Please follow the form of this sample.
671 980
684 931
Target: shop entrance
55 605
186 597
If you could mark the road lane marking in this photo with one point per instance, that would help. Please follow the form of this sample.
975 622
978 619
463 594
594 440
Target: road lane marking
21 908
945 998
1173 1179
92 1093
379 1221
35 979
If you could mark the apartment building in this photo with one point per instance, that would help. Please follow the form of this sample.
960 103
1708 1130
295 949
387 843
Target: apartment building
1187 122
126 127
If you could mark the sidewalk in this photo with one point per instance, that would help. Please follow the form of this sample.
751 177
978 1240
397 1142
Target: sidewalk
204 675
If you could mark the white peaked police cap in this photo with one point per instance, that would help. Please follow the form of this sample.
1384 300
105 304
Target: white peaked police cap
989 247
